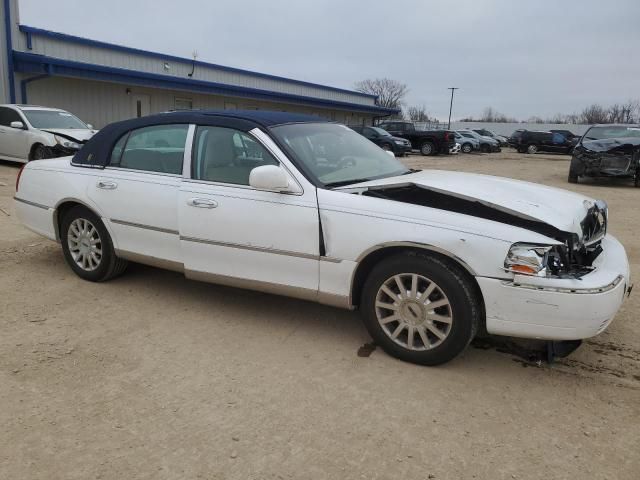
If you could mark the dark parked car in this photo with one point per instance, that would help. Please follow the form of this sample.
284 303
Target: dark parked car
527 141
607 151
386 141
429 142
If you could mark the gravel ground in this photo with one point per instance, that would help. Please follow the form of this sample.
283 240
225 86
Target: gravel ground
154 376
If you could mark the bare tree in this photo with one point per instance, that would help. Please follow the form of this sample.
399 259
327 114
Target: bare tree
418 114
594 114
390 92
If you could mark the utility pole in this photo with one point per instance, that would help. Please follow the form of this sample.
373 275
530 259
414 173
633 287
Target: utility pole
453 89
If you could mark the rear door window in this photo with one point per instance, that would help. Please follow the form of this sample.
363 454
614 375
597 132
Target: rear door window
158 149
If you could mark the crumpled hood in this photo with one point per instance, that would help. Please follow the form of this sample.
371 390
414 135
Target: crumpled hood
561 209
73 134
612 145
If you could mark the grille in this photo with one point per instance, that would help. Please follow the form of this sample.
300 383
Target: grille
616 164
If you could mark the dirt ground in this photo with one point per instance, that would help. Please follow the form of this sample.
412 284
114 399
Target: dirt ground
152 376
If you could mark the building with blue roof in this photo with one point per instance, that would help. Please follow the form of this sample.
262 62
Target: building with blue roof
102 82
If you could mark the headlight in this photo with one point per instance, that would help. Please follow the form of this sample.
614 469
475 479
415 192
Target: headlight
66 143
399 142
528 259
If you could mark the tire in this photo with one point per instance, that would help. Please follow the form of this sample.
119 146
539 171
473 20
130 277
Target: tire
87 246
636 181
456 318
386 147
466 148
38 152
484 148
427 149
532 149
521 150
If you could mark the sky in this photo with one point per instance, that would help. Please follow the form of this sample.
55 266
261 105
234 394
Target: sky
522 58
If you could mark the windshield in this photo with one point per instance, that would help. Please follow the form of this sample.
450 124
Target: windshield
53 119
380 131
335 155
599 133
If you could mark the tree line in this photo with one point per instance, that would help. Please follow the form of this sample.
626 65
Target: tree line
391 94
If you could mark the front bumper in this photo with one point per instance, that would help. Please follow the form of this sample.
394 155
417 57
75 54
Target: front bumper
401 149
559 309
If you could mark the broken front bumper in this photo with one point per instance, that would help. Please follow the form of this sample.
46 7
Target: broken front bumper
559 309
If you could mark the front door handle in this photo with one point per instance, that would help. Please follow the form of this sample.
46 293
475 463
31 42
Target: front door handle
107 185
202 203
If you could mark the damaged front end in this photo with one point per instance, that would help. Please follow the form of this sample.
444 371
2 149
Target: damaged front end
610 157
65 146
573 257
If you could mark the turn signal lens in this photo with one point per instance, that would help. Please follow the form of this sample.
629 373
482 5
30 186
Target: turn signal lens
527 259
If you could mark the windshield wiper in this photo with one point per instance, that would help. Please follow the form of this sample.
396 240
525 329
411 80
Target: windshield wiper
342 183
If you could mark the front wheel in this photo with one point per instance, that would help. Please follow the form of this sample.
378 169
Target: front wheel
466 148
38 152
87 246
420 308
532 149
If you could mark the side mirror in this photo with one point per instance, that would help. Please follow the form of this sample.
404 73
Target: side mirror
18 125
391 153
273 179
90 126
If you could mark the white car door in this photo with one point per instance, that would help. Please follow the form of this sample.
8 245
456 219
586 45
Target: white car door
138 193
232 233
13 141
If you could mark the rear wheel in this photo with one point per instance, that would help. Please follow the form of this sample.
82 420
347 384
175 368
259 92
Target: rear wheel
428 148
532 149
420 308
87 246
466 148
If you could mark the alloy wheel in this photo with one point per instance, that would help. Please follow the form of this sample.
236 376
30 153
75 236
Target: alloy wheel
84 244
413 311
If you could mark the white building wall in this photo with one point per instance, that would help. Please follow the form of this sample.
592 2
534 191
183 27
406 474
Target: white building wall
100 103
68 50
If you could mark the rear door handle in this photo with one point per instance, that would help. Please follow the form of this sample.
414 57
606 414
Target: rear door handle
107 185
202 203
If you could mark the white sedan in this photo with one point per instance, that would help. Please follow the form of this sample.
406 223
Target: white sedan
29 132
294 205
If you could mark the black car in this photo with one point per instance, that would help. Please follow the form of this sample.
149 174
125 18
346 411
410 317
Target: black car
429 142
527 141
382 138
607 151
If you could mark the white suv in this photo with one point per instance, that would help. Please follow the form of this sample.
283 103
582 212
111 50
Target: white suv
29 132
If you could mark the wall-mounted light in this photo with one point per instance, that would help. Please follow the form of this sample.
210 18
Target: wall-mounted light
166 66
128 90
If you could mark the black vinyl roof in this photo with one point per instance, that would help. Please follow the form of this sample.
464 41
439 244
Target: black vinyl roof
96 152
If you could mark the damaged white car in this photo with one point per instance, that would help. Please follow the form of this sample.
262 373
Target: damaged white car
293 205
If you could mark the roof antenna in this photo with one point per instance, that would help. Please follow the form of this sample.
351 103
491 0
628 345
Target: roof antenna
194 55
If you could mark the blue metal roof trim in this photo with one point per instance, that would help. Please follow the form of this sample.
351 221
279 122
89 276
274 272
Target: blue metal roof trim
162 56
33 63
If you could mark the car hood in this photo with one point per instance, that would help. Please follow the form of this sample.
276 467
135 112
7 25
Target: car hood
560 209
613 145
74 134
403 140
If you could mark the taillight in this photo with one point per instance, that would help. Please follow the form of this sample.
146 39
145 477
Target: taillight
446 135
18 177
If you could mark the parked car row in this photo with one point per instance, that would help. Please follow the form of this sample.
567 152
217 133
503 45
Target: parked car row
30 132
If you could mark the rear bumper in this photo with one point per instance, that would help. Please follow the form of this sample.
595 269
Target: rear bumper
559 309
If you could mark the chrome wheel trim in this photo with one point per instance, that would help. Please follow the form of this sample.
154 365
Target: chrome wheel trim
466 148
426 149
532 149
413 311
85 244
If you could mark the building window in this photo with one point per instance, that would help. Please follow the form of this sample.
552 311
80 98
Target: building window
183 104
